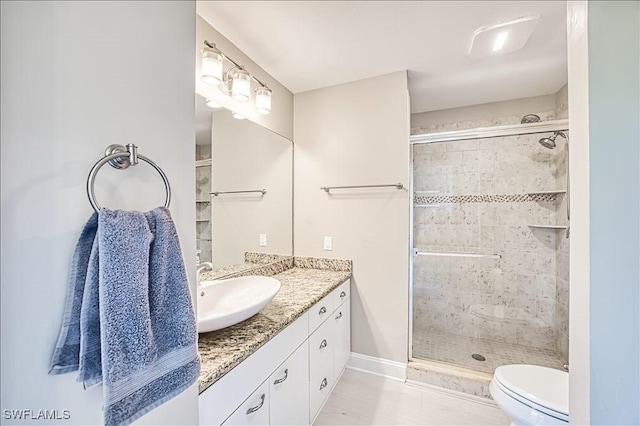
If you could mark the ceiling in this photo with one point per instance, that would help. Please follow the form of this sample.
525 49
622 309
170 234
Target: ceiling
307 45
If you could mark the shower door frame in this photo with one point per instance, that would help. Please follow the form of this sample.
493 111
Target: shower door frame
462 135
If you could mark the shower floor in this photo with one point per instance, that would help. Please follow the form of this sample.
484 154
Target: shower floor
454 349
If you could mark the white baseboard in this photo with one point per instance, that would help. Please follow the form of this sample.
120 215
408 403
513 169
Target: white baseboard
382 367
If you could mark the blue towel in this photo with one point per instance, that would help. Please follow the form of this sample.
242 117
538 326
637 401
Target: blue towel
138 333
66 356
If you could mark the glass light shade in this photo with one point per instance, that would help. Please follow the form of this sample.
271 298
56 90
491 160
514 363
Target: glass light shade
237 116
263 100
213 104
211 68
241 86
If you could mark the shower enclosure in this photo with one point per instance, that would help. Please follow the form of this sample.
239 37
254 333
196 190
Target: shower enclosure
490 273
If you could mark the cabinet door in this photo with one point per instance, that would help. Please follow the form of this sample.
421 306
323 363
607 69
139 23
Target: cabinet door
289 390
254 410
342 330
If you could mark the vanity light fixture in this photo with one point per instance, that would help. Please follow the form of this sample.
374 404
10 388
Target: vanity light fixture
263 100
212 65
235 82
241 86
213 104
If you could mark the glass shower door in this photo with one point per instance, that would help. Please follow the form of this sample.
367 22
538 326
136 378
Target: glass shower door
489 279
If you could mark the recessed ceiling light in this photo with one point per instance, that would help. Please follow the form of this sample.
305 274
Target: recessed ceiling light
505 37
237 116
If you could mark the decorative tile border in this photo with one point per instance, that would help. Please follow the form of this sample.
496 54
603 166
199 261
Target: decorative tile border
506 198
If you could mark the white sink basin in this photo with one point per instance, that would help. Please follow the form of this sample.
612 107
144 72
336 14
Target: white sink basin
224 303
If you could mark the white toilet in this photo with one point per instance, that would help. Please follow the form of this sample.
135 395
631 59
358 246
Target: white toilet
532 395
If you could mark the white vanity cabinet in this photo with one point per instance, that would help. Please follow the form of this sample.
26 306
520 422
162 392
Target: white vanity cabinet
329 346
286 381
253 411
289 390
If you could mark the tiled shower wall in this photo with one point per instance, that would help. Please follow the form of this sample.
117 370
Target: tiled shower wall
533 278
479 197
203 213
562 242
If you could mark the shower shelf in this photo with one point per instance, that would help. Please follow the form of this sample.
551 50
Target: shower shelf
549 226
559 191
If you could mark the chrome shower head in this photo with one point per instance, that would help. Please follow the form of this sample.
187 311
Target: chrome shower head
530 118
550 142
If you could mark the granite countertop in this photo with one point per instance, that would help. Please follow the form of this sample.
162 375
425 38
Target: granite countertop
252 261
302 287
225 271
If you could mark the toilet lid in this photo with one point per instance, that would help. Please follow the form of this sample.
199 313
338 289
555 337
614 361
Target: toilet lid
545 387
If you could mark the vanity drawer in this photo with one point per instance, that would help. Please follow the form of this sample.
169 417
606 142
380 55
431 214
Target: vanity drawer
321 311
254 410
342 337
320 387
342 293
321 345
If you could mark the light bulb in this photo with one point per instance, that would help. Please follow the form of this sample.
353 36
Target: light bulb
241 86
263 100
211 69
213 104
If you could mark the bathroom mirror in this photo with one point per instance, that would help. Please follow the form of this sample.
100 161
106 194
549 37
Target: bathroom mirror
244 192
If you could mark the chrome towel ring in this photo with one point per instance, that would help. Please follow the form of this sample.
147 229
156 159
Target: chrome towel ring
121 157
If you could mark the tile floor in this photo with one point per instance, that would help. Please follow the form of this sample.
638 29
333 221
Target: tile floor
366 399
454 349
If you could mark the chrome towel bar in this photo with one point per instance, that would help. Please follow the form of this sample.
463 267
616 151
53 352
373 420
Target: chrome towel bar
415 252
261 191
394 185
121 157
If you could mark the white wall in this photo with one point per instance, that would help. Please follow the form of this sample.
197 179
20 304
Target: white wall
281 118
604 114
76 77
578 68
614 210
357 134
247 156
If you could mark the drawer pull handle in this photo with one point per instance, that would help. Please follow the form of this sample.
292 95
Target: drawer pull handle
343 294
257 407
323 344
278 381
324 383
323 310
339 316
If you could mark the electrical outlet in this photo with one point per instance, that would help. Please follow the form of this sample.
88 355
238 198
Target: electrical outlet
263 240
328 243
